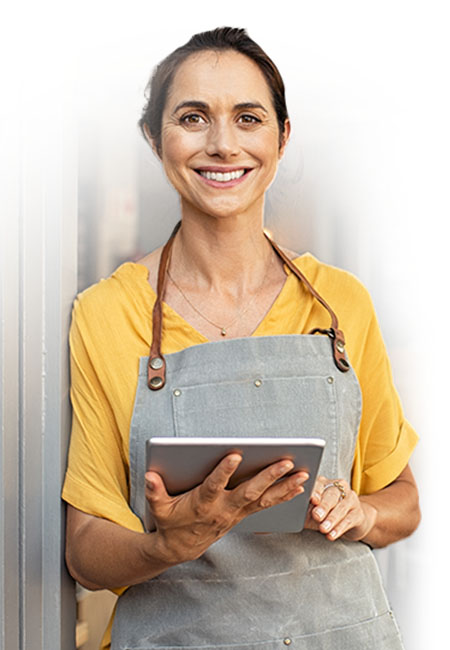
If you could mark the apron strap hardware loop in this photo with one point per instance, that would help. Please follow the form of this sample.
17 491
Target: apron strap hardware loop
318 330
337 345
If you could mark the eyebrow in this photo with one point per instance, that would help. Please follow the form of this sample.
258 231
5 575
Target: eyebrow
193 103
250 105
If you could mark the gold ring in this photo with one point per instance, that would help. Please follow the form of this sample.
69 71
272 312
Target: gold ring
337 485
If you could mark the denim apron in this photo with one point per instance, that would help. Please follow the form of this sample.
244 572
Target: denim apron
252 591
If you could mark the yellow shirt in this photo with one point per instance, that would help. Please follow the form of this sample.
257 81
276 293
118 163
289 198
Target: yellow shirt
111 329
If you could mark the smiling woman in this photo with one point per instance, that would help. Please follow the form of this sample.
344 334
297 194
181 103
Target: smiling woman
223 333
219 120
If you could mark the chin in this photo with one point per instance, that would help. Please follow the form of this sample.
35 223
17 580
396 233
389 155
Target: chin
214 212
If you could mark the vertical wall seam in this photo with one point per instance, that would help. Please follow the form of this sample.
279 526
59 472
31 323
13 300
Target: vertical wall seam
21 399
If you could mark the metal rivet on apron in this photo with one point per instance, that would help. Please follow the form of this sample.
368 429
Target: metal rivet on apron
177 392
257 383
287 641
340 346
156 363
156 382
330 380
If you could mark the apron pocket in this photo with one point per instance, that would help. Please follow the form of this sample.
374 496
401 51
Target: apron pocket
261 407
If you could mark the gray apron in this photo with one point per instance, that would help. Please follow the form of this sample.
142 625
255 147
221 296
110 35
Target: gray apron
256 591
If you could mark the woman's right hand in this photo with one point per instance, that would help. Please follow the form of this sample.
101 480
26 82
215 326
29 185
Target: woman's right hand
102 554
187 524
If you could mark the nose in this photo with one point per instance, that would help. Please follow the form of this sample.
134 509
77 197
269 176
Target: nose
222 140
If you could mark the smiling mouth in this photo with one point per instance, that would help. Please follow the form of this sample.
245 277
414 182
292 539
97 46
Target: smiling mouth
222 177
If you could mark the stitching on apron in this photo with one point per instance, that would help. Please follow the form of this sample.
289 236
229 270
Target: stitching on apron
269 642
235 579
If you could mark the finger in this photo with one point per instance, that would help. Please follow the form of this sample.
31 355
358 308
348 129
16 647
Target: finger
310 524
251 490
217 481
335 529
327 503
330 497
335 517
155 489
321 486
344 516
285 490
316 493
340 529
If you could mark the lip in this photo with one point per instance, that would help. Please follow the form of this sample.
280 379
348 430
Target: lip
223 170
223 184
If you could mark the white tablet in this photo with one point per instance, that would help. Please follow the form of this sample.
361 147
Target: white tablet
184 463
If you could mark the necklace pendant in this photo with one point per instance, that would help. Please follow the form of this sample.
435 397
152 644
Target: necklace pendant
223 331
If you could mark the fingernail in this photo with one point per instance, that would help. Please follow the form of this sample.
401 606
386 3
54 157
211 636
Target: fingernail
286 467
333 534
233 461
320 513
326 525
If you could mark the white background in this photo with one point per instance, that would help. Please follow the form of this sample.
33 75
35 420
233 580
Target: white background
364 183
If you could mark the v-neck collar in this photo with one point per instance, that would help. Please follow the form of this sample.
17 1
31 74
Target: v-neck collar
172 317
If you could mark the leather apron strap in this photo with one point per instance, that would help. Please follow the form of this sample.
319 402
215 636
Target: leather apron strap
156 362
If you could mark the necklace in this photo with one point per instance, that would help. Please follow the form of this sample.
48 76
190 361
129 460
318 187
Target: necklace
224 328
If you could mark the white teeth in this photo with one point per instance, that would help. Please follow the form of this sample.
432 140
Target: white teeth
223 177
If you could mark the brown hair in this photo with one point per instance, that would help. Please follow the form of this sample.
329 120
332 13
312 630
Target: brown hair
219 39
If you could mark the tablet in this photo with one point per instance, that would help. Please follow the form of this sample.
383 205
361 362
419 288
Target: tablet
184 463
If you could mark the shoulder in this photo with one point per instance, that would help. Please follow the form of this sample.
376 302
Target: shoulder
128 285
351 302
115 306
341 288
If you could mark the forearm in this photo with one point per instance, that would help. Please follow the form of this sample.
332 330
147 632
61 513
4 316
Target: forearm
391 514
103 555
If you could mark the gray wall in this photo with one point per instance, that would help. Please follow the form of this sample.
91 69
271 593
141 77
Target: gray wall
38 281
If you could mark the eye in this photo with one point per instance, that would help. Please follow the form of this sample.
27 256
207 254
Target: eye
192 119
249 119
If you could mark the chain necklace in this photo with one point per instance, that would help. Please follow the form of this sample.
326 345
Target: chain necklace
223 329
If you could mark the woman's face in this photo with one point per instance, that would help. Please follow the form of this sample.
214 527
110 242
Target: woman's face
220 138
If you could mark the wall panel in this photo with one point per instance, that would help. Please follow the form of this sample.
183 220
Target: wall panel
38 211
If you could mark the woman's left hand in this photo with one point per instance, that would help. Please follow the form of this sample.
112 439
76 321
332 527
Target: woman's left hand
336 511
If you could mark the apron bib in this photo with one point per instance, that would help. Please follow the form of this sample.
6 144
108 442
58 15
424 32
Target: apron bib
256 591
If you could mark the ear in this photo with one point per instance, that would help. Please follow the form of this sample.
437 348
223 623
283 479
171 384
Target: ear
151 141
284 138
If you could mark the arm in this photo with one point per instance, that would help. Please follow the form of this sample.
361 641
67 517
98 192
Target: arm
378 519
101 554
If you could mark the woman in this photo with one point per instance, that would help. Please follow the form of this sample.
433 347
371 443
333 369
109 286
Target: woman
240 344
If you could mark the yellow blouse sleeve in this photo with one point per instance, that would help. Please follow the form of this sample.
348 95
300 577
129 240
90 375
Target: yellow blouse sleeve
96 480
385 440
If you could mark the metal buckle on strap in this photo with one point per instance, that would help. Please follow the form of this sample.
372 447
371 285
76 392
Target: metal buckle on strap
337 345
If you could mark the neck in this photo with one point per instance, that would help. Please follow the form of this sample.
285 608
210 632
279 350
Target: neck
216 253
